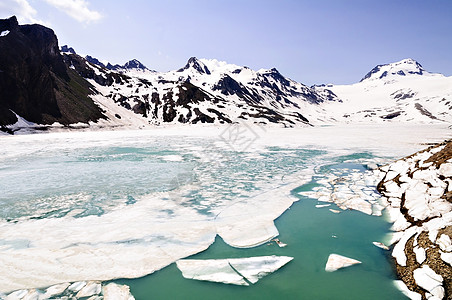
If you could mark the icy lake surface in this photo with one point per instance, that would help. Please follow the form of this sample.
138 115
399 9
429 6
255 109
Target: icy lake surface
105 205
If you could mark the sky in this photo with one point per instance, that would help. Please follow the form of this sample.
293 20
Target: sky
312 42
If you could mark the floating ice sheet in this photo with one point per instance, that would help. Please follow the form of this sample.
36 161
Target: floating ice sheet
336 262
239 271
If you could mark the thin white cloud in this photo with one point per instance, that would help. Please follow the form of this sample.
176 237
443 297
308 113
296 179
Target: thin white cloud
76 9
24 12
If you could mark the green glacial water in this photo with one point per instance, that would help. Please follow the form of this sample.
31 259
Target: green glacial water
66 178
311 234
308 232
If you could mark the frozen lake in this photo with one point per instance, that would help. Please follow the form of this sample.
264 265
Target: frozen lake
105 205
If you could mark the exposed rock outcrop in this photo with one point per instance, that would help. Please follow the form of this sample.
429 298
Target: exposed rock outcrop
35 83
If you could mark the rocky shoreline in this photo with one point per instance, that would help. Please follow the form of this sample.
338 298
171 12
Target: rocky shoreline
418 191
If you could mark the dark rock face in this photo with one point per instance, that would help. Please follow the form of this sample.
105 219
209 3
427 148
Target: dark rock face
274 73
392 115
131 64
228 86
109 66
35 83
68 49
134 64
373 71
94 61
79 64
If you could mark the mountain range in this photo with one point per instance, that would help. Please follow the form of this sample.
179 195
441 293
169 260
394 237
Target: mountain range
43 85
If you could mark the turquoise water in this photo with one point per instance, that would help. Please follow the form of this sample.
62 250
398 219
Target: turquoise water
58 178
311 234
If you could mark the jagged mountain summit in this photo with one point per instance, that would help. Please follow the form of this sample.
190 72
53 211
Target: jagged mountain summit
59 86
203 91
133 64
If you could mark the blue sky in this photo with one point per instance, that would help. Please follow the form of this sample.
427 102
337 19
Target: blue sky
322 41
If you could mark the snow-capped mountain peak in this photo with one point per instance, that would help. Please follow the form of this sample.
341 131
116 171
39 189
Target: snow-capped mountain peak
405 67
197 65
402 91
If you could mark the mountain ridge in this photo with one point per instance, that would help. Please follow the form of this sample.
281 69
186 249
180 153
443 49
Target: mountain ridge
86 90
404 67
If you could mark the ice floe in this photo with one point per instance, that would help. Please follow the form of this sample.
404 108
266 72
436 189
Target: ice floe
336 262
238 271
399 249
77 290
68 249
381 245
427 279
447 257
406 291
420 254
444 243
55 290
113 291
90 289
349 189
279 243
249 222
77 286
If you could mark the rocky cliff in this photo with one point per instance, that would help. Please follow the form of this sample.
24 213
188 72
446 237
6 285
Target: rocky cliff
35 83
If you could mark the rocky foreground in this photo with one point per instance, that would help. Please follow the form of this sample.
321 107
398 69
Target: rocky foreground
418 190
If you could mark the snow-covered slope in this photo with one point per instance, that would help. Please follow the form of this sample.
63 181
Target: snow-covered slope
203 91
402 92
212 91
